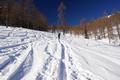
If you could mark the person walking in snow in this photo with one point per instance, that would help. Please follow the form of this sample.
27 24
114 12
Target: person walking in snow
59 36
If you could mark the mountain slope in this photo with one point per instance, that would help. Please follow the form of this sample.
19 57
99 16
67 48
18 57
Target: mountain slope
34 55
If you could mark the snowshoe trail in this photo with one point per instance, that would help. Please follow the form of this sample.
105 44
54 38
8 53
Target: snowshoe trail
48 67
62 66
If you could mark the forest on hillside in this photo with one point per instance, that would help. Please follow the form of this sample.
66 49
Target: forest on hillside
105 27
22 13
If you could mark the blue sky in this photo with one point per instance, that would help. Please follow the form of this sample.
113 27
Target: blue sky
76 9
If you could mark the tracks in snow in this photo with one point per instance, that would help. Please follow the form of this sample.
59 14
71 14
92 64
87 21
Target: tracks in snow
62 67
47 69
71 70
44 60
54 67
24 68
16 66
74 67
33 65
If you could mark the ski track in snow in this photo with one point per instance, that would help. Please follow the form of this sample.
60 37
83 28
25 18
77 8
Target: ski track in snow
46 65
33 55
23 68
62 69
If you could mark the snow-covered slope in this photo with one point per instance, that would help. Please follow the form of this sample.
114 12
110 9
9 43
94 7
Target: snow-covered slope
35 55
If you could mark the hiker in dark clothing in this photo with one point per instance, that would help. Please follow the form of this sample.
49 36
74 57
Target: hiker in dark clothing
59 36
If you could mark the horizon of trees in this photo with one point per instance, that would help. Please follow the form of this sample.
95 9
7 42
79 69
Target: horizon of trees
22 13
107 26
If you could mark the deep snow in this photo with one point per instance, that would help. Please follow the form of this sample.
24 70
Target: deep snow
35 55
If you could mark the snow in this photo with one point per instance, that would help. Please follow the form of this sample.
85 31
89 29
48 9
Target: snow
109 16
34 55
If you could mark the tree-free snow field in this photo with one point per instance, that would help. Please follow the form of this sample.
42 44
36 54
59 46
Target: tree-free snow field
35 55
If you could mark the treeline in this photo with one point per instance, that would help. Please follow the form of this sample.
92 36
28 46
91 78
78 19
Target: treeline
59 28
22 13
107 26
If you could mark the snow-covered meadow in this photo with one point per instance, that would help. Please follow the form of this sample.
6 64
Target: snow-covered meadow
35 55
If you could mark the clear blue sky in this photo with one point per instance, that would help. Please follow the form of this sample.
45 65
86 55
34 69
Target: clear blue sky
76 9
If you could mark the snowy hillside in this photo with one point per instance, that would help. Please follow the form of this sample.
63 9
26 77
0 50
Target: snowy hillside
35 55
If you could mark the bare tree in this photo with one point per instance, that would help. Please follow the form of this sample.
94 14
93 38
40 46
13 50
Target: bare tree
61 10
